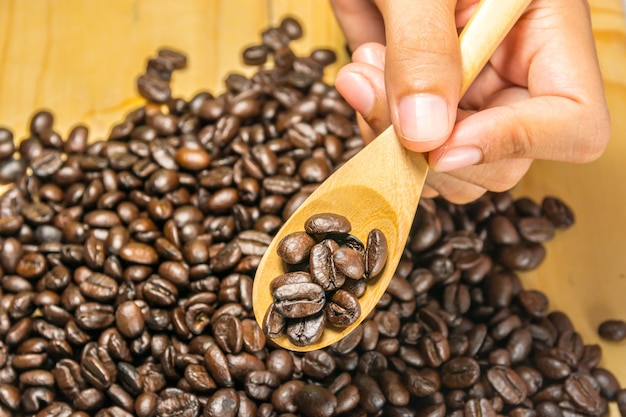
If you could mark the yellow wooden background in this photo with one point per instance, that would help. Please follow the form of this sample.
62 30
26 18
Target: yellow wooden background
80 58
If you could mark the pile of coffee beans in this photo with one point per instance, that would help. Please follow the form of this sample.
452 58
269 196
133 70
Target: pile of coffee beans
127 264
328 268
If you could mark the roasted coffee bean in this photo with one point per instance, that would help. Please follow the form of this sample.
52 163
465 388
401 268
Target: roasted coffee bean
508 384
557 212
94 316
307 330
315 401
321 265
321 224
349 263
255 55
99 287
228 333
375 253
295 248
183 404
299 300
479 407
343 309
422 382
583 393
129 319
460 373
612 330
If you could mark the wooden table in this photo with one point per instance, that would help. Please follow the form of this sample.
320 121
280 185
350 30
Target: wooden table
80 58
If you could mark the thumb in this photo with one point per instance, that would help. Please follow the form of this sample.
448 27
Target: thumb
422 70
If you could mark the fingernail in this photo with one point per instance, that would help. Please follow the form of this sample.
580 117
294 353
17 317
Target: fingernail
458 158
424 117
357 91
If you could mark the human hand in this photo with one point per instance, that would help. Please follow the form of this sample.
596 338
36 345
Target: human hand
539 97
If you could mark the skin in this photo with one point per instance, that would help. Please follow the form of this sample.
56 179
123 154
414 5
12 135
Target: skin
540 96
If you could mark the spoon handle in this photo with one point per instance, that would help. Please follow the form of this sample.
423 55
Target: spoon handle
488 26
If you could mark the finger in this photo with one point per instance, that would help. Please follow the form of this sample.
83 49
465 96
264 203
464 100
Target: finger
422 69
553 128
362 84
498 176
360 21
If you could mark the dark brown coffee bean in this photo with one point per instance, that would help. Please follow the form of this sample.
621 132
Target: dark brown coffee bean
291 27
283 398
612 330
160 292
322 268
255 55
434 346
521 257
295 247
129 319
342 309
479 407
582 393
508 384
349 263
307 330
460 373
422 382
299 300
534 302
99 287
274 323
228 333
315 401
557 212
375 253
153 89
183 404
324 223
223 403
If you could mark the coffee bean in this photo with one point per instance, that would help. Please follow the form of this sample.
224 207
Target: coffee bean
343 309
324 223
255 55
305 331
612 330
153 89
315 401
508 384
299 300
460 373
376 253
129 319
582 393
183 404
295 248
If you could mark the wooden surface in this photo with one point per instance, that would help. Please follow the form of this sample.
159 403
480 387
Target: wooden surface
80 59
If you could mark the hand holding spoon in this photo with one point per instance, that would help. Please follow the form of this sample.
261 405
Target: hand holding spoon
380 187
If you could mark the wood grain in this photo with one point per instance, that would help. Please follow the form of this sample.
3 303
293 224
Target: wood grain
80 59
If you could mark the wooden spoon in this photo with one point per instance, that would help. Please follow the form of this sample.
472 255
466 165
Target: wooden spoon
380 187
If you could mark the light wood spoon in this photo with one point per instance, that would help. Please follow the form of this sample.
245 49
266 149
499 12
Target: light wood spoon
380 187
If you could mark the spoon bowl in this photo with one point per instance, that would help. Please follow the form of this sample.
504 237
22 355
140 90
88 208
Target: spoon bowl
369 200
380 187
